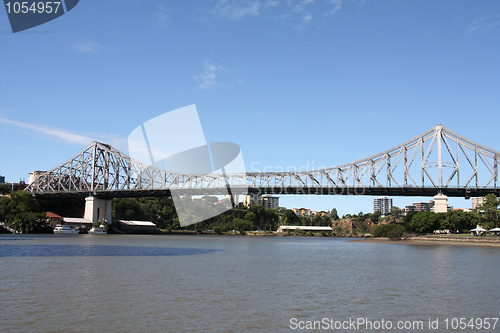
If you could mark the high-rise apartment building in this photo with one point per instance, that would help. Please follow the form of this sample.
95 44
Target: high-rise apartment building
478 202
382 205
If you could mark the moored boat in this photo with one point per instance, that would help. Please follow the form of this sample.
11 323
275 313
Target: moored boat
97 231
65 230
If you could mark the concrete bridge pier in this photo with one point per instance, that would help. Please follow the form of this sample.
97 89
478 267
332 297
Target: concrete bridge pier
98 210
441 203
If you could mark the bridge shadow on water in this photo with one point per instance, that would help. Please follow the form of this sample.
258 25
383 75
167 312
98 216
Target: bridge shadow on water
18 250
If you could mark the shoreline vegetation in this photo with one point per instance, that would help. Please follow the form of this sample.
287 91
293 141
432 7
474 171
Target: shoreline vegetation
23 213
488 241
453 240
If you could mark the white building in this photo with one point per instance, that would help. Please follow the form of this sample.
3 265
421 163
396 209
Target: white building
284 228
270 202
478 202
251 199
382 205
267 201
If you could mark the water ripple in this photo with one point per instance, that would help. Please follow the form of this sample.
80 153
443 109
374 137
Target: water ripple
31 250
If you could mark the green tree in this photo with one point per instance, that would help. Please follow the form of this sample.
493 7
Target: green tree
458 221
317 220
250 216
393 231
22 212
334 214
241 225
127 209
489 211
5 189
291 218
395 212
160 211
376 216
271 220
423 222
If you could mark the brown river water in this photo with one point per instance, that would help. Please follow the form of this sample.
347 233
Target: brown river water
157 283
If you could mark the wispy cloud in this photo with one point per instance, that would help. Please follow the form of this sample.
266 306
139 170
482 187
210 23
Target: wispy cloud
65 136
50 132
484 23
336 6
208 77
307 17
162 16
296 13
236 10
86 46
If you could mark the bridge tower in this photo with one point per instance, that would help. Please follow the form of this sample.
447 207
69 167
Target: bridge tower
98 210
440 200
440 203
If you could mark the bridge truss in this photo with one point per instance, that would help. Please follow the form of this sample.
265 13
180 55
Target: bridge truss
437 161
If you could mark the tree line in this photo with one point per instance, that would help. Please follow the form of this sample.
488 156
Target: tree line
26 213
161 211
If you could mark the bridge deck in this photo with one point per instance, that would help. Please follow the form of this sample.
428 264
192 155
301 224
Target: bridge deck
370 191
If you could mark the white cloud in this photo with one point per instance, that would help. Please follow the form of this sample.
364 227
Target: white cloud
86 47
337 4
50 132
208 77
236 10
65 136
271 3
301 6
484 23
297 13
162 16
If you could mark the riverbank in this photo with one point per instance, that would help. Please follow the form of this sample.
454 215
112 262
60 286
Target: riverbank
438 240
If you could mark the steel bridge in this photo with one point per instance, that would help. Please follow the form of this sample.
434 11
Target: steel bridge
437 161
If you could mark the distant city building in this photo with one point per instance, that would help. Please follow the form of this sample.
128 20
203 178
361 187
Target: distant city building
2 179
251 199
423 206
321 212
428 207
53 219
478 202
302 211
270 202
408 209
33 175
17 186
235 198
382 205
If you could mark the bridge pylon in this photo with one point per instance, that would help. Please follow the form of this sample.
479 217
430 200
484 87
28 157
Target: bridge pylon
98 210
440 203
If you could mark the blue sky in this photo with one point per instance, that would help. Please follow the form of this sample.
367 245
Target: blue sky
293 83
